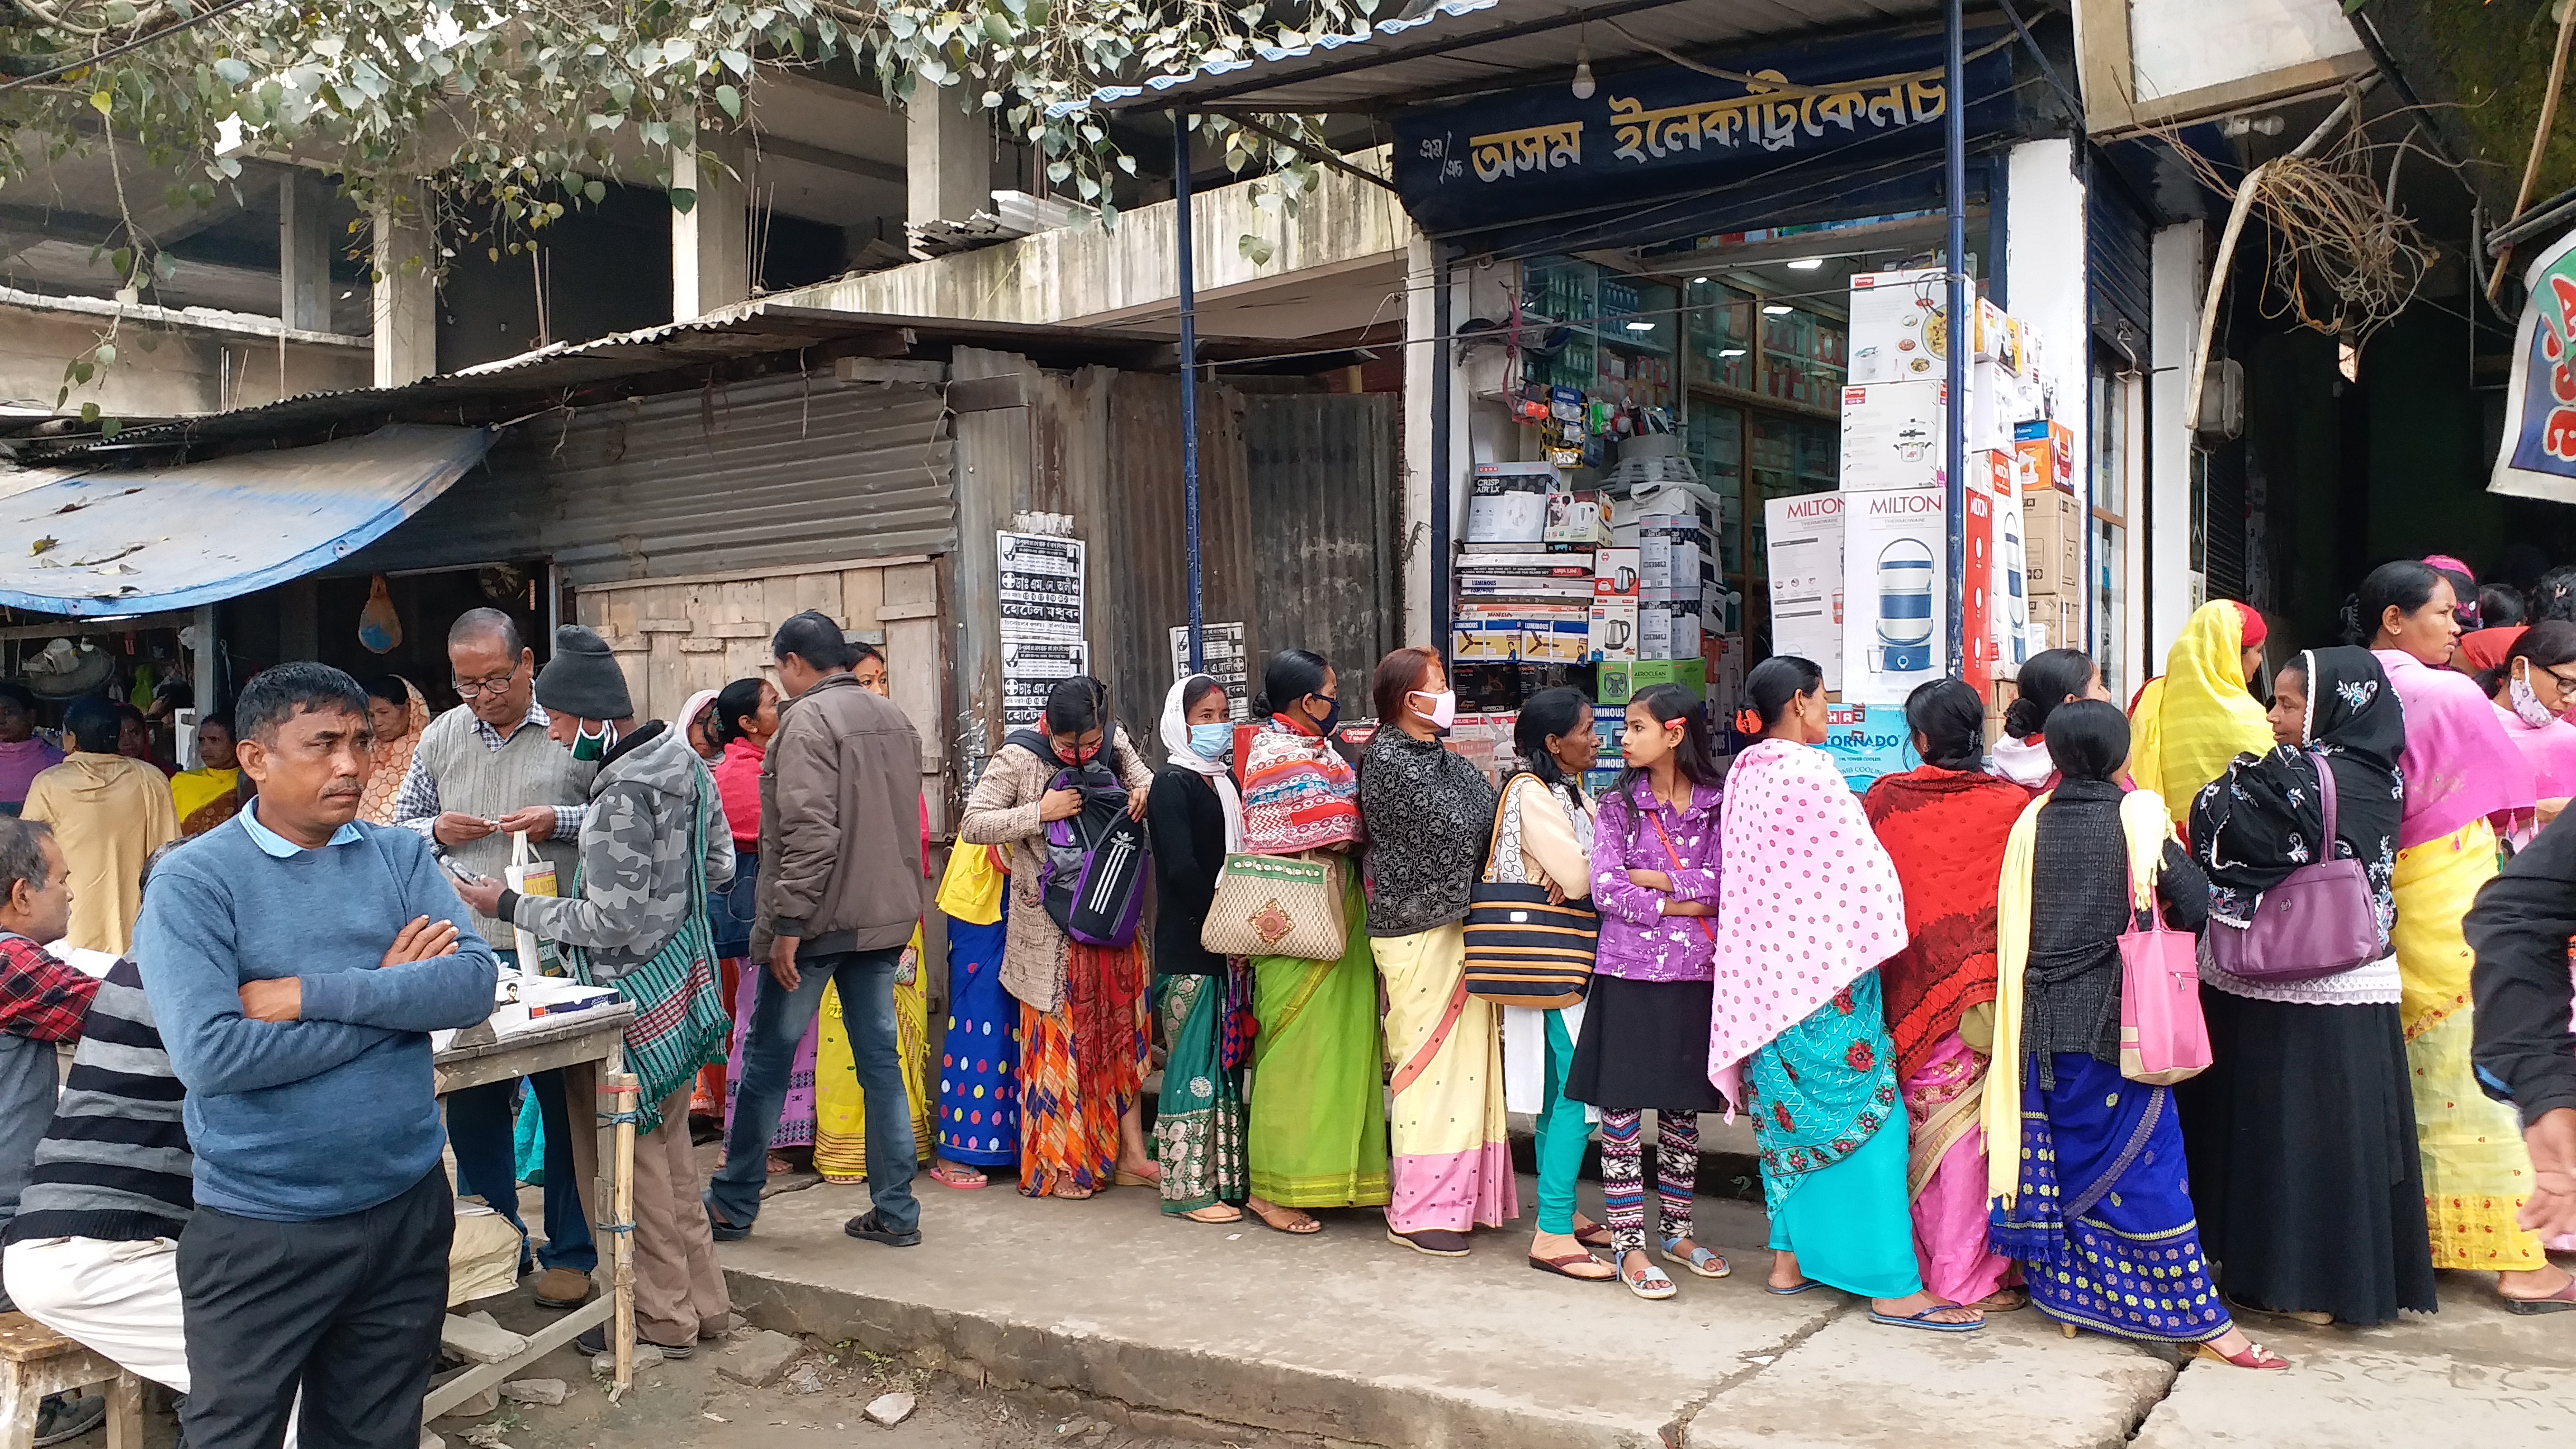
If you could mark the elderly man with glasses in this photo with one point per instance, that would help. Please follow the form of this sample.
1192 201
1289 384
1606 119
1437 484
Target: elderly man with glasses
481 774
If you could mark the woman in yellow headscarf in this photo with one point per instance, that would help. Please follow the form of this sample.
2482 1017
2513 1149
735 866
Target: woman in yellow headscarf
2199 715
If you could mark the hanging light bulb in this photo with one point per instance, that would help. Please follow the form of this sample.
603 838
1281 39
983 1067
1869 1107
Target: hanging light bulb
1583 73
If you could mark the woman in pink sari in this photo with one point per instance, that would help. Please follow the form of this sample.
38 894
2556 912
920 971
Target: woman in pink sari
2465 782
2533 686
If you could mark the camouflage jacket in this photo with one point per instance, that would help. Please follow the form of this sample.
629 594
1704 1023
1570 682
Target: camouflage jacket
633 885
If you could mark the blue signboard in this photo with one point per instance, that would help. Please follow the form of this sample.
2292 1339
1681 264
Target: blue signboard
1542 152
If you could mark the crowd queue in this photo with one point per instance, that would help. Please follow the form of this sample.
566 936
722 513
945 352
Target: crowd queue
1916 995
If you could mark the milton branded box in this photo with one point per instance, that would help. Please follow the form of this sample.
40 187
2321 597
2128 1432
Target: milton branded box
1804 540
1895 585
2008 597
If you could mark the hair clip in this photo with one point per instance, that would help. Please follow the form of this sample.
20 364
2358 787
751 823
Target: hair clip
1748 720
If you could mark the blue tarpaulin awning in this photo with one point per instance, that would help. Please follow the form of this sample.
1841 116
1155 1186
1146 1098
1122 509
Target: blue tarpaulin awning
110 541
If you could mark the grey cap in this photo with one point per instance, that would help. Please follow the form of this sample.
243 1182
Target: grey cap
583 679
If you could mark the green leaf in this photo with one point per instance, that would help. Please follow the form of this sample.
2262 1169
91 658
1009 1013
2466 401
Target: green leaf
106 354
108 428
731 100
1253 248
100 101
89 411
595 191
683 199
122 259
119 13
164 265
232 71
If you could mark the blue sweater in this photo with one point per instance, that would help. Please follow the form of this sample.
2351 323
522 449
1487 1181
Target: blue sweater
334 1113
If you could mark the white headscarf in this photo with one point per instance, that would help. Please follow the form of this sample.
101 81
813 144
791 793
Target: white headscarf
1176 743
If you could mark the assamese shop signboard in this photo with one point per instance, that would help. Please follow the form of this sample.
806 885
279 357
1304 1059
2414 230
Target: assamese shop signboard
1542 151
2538 458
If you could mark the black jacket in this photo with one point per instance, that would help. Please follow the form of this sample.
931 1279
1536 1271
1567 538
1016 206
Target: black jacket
2519 929
1187 824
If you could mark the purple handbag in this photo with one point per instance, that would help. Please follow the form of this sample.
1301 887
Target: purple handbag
2320 921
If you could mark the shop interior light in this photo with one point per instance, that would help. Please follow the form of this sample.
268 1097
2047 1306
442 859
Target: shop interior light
1730 352
1641 326
1583 73
1806 264
1778 309
1699 281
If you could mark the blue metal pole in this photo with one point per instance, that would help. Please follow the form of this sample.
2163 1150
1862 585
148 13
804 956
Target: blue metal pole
1963 329
1189 375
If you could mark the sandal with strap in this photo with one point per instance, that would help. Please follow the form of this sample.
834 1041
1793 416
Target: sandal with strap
2559 1302
2255 1356
1699 1260
959 1178
1558 1266
1648 1282
1595 1236
1927 1323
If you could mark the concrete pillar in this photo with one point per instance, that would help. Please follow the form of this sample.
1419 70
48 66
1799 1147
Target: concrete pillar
711 241
2044 229
304 249
947 159
2178 279
1414 550
406 292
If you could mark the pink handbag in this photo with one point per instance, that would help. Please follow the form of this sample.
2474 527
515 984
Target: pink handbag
2163 1037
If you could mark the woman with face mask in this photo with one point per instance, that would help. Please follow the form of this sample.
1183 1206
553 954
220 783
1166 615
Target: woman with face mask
2533 687
1196 816
1082 1018
1318 1125
1430 816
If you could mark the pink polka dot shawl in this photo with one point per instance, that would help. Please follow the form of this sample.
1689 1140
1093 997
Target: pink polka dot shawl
1810 901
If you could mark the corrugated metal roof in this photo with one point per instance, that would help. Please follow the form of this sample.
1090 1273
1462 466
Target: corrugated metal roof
750 330
1466 47
129 541
773 472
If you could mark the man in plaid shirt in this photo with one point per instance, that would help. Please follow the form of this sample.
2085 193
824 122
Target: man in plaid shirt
42 1001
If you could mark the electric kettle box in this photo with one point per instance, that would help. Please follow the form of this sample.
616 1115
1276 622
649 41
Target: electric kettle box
1895 435
1896 549
1616 573
1804 545
1614 629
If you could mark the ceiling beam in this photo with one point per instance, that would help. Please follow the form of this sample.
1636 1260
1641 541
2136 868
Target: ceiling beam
808 154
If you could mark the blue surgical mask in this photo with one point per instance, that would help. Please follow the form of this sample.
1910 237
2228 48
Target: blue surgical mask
1212 741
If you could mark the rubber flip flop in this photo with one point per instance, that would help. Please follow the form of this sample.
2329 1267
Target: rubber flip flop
1793 1290
1923 1320
945 1178
1313 1224
1558 1266
2559 1302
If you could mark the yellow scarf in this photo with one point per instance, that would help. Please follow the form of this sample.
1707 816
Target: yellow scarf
2190 723
2142 820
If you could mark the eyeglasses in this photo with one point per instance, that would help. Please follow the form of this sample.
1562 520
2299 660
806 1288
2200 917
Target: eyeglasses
475 688
2565 684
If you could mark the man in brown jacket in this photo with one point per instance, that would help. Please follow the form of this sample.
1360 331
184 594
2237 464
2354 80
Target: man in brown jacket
841 888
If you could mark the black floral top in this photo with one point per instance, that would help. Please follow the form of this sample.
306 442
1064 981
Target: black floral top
1429 817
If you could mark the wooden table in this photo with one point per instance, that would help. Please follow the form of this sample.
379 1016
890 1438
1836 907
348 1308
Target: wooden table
597 1035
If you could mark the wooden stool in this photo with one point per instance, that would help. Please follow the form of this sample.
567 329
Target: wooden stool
36 1361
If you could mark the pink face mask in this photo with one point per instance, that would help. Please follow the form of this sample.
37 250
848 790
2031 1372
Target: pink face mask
1442 708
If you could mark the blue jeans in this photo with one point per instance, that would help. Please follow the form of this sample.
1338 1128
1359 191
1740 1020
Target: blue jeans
482 1132
778 1022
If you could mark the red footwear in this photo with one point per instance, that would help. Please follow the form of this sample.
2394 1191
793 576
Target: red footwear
2255 1356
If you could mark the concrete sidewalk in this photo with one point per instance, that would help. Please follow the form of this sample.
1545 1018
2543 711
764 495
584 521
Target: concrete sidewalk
1347 1337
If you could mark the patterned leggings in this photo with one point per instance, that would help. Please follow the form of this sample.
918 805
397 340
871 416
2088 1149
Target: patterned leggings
1623 1189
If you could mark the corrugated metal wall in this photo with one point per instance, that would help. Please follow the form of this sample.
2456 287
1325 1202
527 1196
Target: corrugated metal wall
778 472
1323 505
1297 523
1141 570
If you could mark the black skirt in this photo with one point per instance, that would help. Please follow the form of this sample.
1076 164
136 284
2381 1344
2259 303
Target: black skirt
1644 1044
2304 1170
